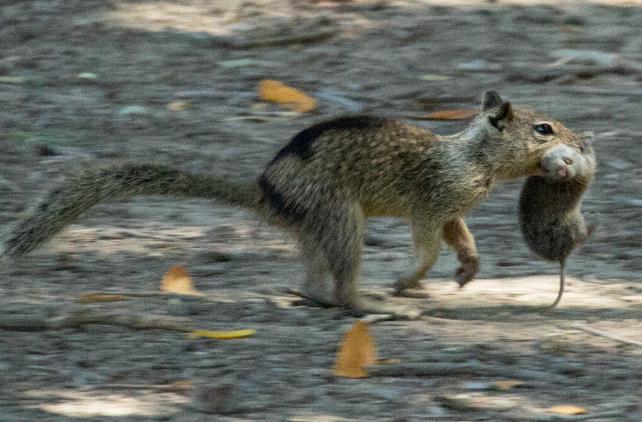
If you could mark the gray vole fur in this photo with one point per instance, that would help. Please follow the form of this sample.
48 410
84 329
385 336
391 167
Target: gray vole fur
549 205
332 176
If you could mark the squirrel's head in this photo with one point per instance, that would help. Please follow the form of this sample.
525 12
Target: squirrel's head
518 135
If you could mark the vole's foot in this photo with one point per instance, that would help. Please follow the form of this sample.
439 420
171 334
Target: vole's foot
363 306
467 270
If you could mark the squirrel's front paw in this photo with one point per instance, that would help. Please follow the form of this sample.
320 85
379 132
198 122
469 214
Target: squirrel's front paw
405 283
466 272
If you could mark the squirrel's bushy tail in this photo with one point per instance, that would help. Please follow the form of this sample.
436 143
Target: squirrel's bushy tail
78 193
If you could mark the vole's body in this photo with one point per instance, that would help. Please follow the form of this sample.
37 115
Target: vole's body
549 205
332 176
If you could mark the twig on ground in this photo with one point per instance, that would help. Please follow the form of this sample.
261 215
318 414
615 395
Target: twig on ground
472 369
606 335
300 38
603 92
80 317
308 298
613 414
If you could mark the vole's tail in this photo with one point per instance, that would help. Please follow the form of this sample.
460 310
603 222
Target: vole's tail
80 192
561 289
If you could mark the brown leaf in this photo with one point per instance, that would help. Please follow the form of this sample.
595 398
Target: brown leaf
276 92
567 409
457 114
100 297
505 385
180 386
177 280
357 351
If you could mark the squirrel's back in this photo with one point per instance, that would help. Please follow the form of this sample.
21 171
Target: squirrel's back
388 167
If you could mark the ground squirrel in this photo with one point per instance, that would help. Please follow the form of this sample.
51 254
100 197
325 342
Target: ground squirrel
549 205
332 176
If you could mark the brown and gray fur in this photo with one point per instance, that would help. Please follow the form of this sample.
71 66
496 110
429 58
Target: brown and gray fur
549 205
332 176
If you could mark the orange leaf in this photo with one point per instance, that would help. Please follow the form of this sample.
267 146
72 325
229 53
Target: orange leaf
567 409
459 114
177 280
100 297
357 350
276 92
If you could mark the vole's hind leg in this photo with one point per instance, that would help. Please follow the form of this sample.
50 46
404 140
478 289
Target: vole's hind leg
427 241
456 234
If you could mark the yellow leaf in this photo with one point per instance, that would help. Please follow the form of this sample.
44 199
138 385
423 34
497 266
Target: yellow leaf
177 106
276 92
221 335
459 114
177 280
505 385
357 351
567 409
100 297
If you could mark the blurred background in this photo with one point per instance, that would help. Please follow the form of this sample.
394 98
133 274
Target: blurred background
178 82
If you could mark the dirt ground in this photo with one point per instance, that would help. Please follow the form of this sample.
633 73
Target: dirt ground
175 81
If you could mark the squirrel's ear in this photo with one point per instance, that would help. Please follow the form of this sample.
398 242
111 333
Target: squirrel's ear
491 99
502 116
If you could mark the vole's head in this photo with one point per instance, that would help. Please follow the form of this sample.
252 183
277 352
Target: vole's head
518 137
565 162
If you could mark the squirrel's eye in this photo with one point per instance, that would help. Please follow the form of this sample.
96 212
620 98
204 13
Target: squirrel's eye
544 129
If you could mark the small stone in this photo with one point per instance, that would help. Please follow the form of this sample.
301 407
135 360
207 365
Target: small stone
618 163
479 66
45 150
587 57
233 64
220 399
87 76
476 386
133 110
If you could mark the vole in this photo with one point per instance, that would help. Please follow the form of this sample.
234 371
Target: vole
549 204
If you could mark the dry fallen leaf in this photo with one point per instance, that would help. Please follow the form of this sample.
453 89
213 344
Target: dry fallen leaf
177 106
357 351
458 114
276 92
100 297
505 385
180 386
177 280
388 361
567 409
221 335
